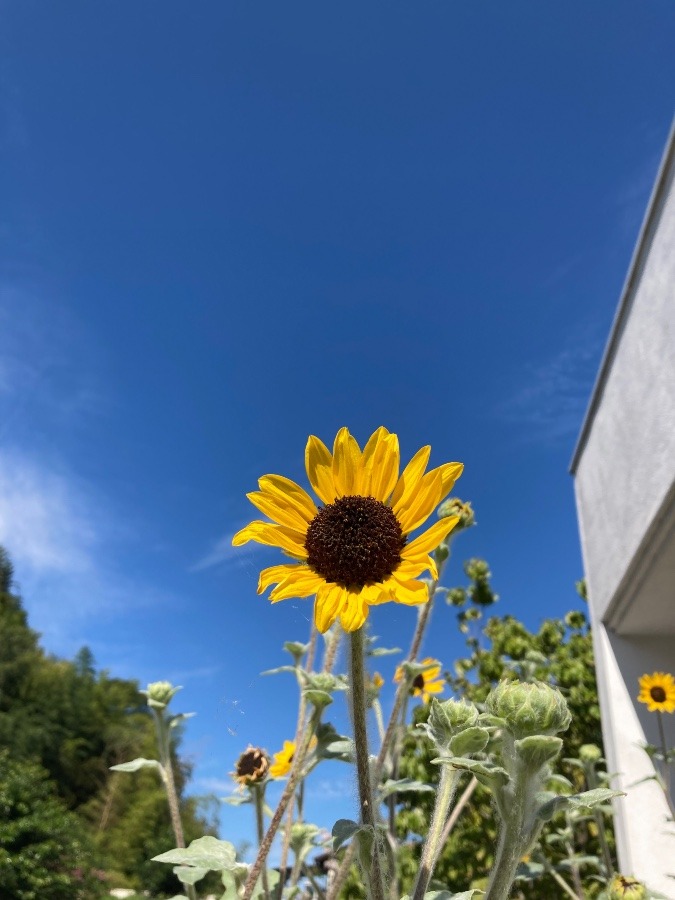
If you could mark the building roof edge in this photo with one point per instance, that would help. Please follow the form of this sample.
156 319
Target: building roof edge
639 254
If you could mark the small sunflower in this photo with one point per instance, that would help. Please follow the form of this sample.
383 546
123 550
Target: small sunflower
252 767
283 760
658 692
427 682
354 551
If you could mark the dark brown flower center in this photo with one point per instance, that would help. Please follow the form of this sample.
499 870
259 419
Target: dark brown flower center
658 694
418 683
354 540
251 762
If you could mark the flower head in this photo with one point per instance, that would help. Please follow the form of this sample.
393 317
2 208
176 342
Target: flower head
425 683
283 760
529 708
159 693
658 692
623 887
354 551
252 767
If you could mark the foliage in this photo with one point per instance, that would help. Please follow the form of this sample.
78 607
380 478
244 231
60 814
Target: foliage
44 852
559 652
75 722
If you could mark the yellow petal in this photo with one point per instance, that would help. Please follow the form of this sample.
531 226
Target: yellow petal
346 463
288 490
410 478
275 574
273 536
282 511
414 566
300 583
385 468
450 472
431 538
371 451
410 592
328 604
354 612
319 466
421 504
374 594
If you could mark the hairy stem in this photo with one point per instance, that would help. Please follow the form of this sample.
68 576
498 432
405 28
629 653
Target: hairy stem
299 728
273 827
458 808
666 764
366 806
258 797
433 844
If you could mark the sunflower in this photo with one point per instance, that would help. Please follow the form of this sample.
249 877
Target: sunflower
658 692
354 551
425 683
283 760
251 767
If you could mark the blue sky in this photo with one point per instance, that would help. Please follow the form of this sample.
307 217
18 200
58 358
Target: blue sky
227 225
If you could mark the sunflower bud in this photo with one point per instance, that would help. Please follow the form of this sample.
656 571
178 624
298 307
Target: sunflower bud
159 693
622 887
448 719
252 766
590 753
529 708
453 506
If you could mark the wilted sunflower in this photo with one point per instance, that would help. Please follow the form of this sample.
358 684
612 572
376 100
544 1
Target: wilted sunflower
252 766
425 683
354 551
658 692
283 760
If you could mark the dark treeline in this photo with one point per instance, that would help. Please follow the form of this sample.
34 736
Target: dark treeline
69 827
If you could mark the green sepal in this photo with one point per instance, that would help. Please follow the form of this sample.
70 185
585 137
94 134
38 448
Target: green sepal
473 740
537 750
318 699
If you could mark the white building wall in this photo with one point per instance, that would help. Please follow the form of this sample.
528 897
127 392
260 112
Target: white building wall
624 469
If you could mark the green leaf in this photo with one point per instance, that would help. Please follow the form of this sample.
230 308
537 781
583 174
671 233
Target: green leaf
591 799
204 853
236 799
189 874
136 764
384 651
343 830
538 750
487 774
405 786
280 669
180 717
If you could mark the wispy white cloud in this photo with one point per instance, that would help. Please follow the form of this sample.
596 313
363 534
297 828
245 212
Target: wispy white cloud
223 553
550 404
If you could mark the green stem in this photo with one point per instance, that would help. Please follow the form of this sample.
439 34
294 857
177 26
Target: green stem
258 796
273 827
592 781
510 848
666 765
164 746
366 806
434 844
